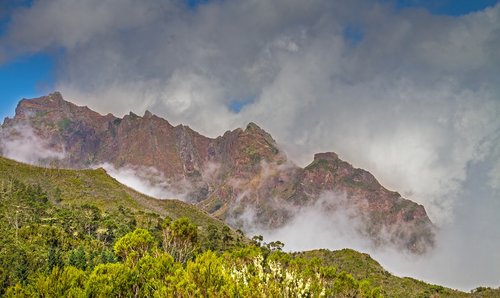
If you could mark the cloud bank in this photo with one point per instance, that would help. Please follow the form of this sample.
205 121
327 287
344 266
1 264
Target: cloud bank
146 180
412 97
454 262
21 143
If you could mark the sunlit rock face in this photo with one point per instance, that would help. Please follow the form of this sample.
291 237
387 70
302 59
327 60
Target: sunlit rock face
242 177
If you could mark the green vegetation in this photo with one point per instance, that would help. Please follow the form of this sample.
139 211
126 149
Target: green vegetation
52 250
48 246
362 266
68 233
253 154
97 188
64 124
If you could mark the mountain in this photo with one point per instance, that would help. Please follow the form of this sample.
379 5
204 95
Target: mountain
239 173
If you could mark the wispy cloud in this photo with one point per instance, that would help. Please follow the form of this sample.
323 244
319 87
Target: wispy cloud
329 222
147 180
21 143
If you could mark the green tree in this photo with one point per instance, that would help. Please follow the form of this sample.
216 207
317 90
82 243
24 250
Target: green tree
77 258
66 282
206 272
54 259
153 273
345 285
112 280
134 245
180 238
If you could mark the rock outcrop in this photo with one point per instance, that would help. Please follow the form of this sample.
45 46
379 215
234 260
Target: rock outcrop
241 169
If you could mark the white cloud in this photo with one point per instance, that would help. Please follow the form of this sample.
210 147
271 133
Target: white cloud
465 256
21 143
146 180
329 222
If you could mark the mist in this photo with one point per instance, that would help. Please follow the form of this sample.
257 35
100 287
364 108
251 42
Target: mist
328 223
21 143
465 256
410 96
146 180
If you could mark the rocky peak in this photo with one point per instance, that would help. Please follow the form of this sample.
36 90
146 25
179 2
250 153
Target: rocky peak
53 108
253 127
255 132
326 156
30 107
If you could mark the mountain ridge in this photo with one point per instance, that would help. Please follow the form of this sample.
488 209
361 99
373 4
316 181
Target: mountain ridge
239 170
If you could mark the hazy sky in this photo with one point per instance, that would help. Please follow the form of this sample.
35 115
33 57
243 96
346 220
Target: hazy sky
409 90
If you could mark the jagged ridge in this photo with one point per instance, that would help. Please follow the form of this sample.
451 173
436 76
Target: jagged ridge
241 168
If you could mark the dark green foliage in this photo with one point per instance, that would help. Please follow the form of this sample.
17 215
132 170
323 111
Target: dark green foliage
50 248
145 271
21 267
77 258
214 238
345 285
38 237
54 258
41 239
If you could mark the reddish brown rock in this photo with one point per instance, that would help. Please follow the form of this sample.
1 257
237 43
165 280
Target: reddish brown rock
241 168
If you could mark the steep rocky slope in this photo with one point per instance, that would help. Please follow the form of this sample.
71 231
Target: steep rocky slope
227 176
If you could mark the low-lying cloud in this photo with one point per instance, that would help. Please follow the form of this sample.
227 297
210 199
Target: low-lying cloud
465 256
21 143
148 181
328 223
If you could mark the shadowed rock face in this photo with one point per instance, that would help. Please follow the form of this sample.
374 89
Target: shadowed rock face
227 175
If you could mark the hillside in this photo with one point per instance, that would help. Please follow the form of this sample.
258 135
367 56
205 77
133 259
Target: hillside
97 188
363 267
242 170
61 223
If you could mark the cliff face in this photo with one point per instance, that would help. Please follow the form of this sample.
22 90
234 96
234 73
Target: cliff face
241 169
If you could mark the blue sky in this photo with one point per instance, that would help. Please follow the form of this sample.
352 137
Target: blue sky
33 75
447 7
24 77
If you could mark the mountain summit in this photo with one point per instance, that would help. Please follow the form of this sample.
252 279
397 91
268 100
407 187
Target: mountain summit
227 176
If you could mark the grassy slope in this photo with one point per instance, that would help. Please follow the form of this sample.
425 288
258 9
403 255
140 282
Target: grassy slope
78 187
96 187
362 266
